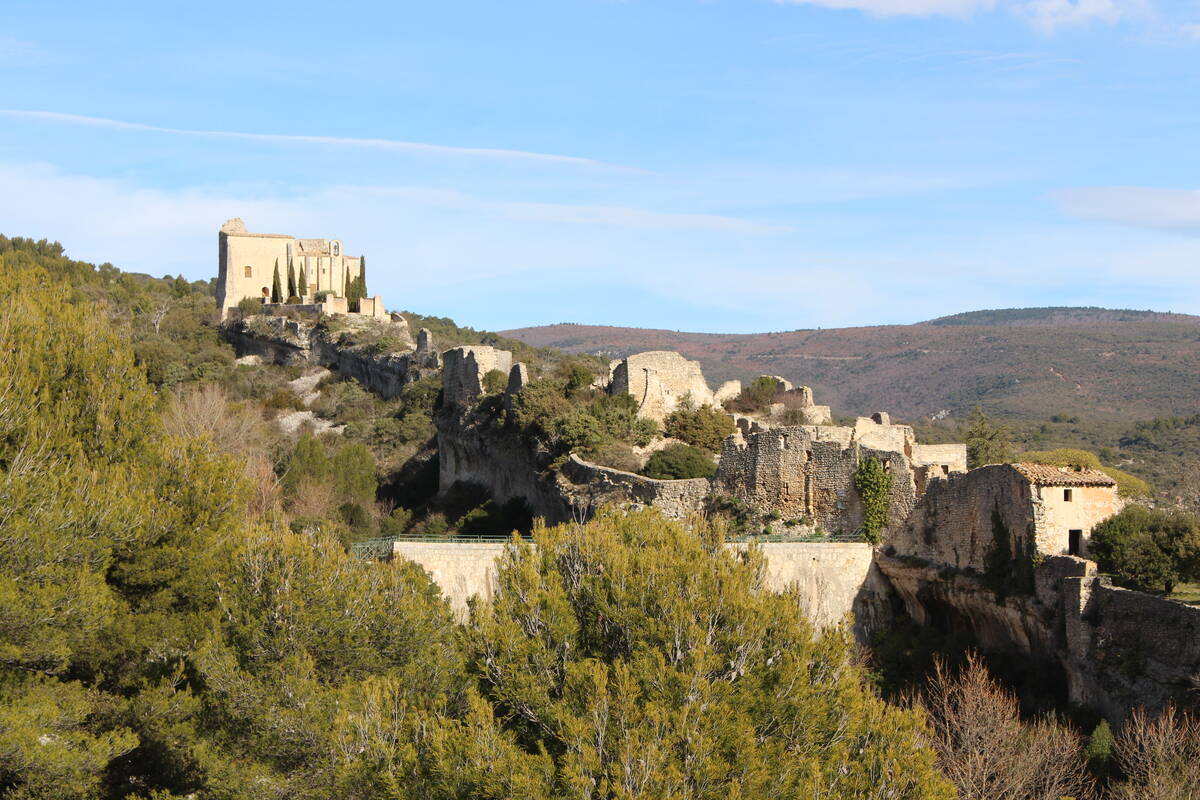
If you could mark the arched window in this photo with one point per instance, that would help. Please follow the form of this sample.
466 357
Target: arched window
249 272
337 248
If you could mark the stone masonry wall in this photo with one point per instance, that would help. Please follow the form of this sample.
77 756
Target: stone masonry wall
804 471
953 524
590 485
658 380
463 370
832 580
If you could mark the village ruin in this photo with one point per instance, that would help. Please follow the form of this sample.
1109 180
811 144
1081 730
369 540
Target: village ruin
998 552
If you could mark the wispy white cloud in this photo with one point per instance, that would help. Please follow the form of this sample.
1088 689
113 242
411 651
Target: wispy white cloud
1137 206
1044 15
284 138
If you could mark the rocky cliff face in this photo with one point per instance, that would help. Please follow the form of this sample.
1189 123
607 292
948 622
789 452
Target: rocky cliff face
294 342
1117 649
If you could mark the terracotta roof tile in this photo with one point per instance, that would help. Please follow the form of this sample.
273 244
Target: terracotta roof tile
1049 475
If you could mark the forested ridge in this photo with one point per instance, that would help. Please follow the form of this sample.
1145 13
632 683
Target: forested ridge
168 631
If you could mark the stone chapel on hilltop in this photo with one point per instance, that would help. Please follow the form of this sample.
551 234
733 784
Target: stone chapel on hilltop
246 264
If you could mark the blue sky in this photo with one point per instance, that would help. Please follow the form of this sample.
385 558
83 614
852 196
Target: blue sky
719 166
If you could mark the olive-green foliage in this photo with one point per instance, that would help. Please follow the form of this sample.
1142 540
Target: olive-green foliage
291 281
276 289
1099 749
316 665
595 679
874 484
1127 485
1008 567
105 529
704 427
250 305
579 420
679 461
987 442
495 381
308 463
1148 549
353 473
756 397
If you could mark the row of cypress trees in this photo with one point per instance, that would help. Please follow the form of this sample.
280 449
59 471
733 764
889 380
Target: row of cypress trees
355 289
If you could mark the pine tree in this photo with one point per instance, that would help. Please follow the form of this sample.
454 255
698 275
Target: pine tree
276 291
291 286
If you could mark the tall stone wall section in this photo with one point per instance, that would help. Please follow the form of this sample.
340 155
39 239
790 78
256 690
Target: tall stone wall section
463 371
955 522
832 581
658 380
806 472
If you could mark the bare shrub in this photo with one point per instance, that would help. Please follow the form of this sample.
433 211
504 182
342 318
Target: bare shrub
1159 756
986 750
313 499
199 411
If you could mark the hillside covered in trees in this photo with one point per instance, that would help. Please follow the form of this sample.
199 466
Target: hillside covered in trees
168 631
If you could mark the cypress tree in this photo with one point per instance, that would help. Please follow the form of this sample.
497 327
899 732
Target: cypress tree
276 291
303 282
291 281
362 275
346 284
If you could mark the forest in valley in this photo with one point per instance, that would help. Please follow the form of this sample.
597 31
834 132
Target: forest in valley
181 615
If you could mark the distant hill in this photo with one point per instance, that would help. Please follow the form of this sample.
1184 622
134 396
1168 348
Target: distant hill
1022 363
1059 315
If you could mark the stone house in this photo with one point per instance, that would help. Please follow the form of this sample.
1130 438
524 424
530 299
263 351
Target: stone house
1032 509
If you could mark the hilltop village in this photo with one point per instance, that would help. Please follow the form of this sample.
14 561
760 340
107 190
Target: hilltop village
862 517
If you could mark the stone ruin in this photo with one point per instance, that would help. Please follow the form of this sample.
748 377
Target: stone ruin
802 473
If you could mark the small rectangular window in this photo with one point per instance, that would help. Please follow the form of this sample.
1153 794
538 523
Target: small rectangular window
249 272
1067 495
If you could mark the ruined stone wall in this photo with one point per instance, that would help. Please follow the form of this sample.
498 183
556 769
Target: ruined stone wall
807 472
590 486
658 380
953 523
952 456
463 370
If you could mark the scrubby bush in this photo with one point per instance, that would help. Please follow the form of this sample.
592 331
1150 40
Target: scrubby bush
617 455
494 381
680 461
1148 549
704 427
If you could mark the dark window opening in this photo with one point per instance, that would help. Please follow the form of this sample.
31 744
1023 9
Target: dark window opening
1068 495
249 272
1075 543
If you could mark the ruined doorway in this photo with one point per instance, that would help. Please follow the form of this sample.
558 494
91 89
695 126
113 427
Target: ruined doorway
1075 543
